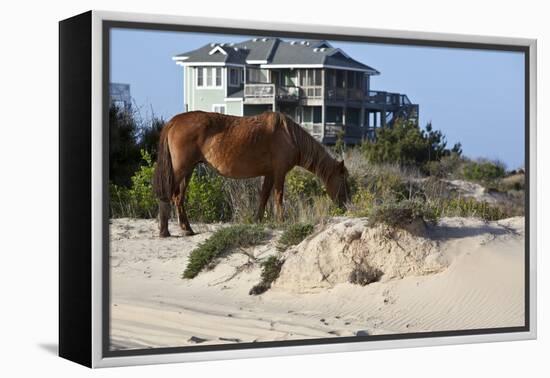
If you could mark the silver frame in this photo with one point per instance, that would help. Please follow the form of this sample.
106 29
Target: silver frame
97 184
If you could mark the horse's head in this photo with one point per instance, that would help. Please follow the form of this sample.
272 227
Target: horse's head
337 185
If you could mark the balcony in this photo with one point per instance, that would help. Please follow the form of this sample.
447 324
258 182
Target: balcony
343 94
288 93
315 129
332 129
268 93
387 98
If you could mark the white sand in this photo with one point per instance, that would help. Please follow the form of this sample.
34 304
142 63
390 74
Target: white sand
465 274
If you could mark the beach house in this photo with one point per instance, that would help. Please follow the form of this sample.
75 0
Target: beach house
321 87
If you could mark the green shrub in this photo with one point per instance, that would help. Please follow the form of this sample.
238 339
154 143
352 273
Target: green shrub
119 201
294 234
515 182
361 203
220 243
142 188
448 167
301 184
206 200
406 143
315 210
138 201
470 207
401 214
364 275
387 185
483 171
271 268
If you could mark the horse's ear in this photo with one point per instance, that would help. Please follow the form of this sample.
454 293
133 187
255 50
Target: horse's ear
341 165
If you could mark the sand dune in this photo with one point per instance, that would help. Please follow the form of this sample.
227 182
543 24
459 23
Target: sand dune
461 274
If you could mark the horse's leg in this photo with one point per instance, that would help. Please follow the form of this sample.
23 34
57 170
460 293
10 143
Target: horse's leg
264 196
279 183
164 215
180 205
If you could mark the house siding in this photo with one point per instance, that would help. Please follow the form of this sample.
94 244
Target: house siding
188 79
199 98
234 108
206 98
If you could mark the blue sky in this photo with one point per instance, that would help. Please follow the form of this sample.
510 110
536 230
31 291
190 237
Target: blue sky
475 97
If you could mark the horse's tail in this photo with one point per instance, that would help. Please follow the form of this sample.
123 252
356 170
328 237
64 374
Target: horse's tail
163 180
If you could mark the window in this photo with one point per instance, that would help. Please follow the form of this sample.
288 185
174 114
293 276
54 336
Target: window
288 78
351 79
200 77
334 114
218 109
312 114
360 79
209 77
218 76
255 75
340 79
317 114
353 116
235 77
310 77
317 77
307 114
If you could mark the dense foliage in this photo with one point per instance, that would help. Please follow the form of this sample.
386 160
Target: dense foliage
206 200
483 171
128 135
294 234
220 243
271 268
138 200
407 144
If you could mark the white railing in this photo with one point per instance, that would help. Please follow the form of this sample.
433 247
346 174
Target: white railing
332 129
315 129
288 93
259 90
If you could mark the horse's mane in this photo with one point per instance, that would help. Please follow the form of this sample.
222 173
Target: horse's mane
312 155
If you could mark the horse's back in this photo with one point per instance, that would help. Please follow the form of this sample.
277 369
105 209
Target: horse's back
235 146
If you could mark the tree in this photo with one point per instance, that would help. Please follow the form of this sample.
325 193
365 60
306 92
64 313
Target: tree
124 152
407 144
150 135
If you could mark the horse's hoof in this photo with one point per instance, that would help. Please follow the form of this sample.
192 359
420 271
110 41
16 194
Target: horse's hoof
188 233
164 234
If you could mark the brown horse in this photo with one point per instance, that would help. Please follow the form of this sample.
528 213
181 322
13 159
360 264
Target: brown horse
268 145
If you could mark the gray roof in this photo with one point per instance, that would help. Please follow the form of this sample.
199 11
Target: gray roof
237 94
274 51
259 48
232 54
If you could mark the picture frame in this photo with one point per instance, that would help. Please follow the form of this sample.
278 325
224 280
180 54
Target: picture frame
84 270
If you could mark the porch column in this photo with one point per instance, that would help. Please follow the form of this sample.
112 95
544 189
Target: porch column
344 110
323 95
362 122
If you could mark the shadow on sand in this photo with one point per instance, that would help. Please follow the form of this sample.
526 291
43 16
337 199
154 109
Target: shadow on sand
457 232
